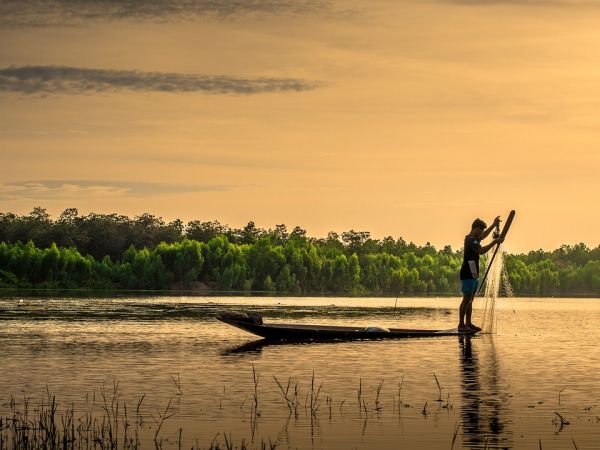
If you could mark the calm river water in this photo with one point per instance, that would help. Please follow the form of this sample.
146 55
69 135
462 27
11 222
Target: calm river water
496 391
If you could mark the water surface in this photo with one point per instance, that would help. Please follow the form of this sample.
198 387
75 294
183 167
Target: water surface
498 391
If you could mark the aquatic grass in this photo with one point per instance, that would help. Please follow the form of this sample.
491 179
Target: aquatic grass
400 393
378 406
329 403
43 426
448 405
139 419
163 417
359 393
177 383
559 393
455 435
106 425
563 421
230 444
255 379
439 399
314 395
292 403
424 410
109 423
254 413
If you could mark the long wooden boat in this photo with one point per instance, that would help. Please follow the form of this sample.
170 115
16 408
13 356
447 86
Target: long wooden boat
252 323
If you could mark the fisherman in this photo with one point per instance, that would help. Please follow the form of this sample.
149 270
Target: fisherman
469 272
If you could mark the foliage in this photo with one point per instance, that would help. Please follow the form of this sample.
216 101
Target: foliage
113 251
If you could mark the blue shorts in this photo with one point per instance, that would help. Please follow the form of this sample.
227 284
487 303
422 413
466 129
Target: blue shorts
469 286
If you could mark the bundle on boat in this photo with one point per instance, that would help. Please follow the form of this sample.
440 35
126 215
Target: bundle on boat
241 316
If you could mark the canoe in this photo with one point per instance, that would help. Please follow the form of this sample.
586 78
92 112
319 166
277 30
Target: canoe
252 323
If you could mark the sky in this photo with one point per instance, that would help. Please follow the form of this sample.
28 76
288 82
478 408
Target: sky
399 117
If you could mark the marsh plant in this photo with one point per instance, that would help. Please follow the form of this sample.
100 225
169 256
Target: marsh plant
106 423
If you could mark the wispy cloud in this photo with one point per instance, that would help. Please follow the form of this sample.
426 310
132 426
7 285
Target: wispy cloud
74 80
74 12
73 189
539 3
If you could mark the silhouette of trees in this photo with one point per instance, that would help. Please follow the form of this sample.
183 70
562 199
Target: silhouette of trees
113 251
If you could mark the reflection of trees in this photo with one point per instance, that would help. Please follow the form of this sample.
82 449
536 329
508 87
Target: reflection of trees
483 423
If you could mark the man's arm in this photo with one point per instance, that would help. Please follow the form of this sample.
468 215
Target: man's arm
486 248
473 268
487 232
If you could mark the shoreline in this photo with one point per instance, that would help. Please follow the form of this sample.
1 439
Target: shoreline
91 293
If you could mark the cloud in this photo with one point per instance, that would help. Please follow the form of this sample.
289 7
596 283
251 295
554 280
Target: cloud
547 3
75 12
75 80
73 189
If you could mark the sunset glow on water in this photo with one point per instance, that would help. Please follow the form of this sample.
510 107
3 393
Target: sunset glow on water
501 391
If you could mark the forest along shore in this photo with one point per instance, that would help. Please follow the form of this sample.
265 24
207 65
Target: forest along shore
110 251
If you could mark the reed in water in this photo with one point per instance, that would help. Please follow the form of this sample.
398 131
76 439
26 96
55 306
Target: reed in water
106 424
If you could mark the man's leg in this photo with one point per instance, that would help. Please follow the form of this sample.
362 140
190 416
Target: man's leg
469 308
462 310
468 313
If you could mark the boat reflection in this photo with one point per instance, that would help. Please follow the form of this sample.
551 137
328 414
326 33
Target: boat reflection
483 412
247 347
258 345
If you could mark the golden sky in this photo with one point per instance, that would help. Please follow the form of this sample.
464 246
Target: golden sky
401 117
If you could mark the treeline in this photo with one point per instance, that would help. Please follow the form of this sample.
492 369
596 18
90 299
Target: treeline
101 251
568 270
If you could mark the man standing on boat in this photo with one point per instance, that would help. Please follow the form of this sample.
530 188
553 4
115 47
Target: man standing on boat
469 272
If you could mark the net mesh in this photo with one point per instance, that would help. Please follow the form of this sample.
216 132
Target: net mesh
496 281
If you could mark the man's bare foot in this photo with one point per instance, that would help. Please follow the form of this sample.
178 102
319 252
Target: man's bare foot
474 328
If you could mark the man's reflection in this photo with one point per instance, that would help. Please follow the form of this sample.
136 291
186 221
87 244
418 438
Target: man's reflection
481 413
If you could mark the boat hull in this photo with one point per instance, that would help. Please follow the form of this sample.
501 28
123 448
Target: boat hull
295 332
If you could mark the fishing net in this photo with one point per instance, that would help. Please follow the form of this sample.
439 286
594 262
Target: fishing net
497 280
